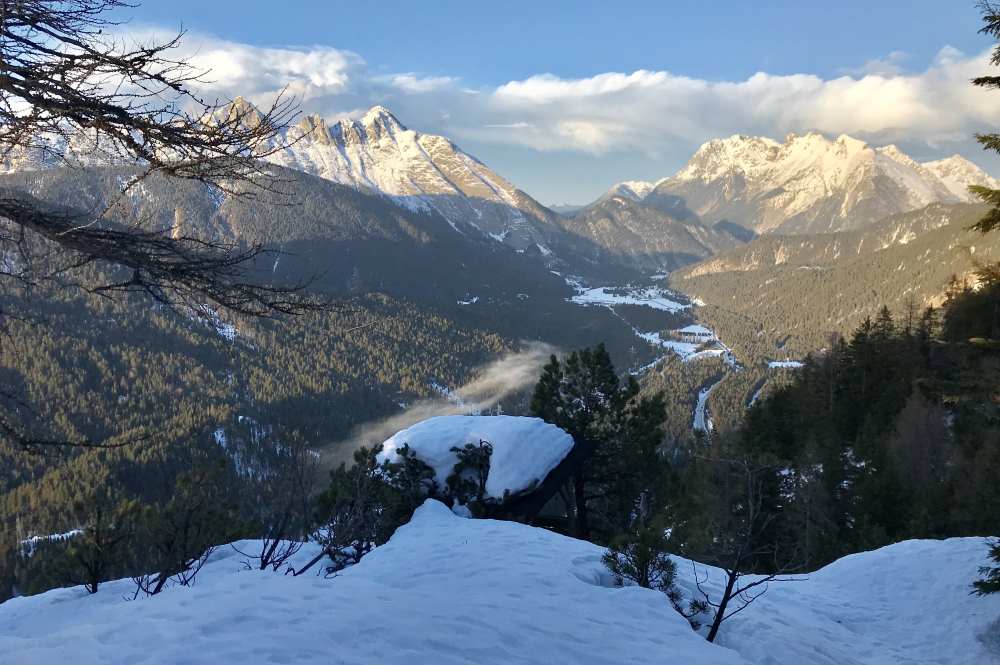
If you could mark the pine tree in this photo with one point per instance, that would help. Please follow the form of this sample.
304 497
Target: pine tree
991 26
584 396
991 575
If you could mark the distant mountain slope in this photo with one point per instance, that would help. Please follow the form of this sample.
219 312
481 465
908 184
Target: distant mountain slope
632 189
354 240
822 249
376 153
807 286
811 184
645 237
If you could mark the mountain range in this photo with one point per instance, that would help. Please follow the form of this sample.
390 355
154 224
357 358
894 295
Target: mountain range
807 184
731 191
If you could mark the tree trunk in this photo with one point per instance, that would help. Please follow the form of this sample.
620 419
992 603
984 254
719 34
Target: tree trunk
582 530
720 613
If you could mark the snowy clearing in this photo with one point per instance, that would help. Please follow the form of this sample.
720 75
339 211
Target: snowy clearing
448 590
525 450
649 297
608 296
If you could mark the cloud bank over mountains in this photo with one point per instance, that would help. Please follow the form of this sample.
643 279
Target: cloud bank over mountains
658 114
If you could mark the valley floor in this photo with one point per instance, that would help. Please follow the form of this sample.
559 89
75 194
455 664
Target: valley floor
452 590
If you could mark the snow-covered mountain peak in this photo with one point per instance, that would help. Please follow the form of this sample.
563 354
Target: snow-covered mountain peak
811 183
380 115
958 173
419 171
737 153
380 121
631 189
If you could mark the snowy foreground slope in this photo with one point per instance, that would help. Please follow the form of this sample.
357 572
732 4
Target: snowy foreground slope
905 603
451 590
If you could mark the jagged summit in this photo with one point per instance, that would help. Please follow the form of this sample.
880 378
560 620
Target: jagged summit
631 189
812 183
381 116
420 171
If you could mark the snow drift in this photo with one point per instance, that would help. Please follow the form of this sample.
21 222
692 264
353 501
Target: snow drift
448 590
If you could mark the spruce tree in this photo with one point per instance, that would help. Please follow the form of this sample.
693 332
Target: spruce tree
991 26
622 431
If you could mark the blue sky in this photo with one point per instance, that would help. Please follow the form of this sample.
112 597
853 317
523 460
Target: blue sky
566 98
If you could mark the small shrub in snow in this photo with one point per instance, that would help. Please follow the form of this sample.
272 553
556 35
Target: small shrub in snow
102 546
641 558
412 478
467 482
366 502
278 473
990 582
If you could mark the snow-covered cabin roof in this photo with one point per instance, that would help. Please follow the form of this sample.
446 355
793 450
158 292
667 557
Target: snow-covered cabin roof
694 329
525 450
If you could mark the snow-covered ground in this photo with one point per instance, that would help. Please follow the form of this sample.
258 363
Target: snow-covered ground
30 544
525 450
784 364
702 421
905 603
653 297
445 590
448 590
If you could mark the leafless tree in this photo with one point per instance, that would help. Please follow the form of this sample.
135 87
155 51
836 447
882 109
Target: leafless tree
279 478
356 514
72 89
177 538
741 543
101 548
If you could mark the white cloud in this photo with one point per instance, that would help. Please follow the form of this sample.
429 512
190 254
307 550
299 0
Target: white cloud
654 113
510 125
651 111
890 65
414 83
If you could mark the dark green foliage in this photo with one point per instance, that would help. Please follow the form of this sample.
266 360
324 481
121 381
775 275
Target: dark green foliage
411 477
620 430
893 434
991 27
990 583
366 502
642 557
467 482
358 511
103 549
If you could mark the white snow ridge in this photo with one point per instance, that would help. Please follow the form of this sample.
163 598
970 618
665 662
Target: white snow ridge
447 591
